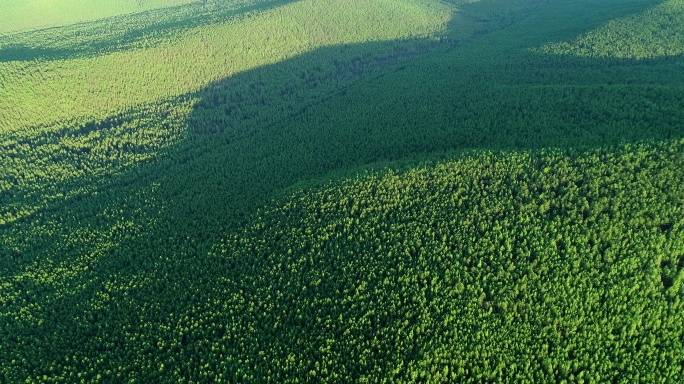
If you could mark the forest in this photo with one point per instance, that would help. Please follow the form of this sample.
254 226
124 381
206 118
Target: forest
342 191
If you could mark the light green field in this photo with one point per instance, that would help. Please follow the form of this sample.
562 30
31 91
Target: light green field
26 15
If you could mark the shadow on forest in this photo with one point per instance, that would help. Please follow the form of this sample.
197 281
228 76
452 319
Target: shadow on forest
121 33
396 108
338 109
341 108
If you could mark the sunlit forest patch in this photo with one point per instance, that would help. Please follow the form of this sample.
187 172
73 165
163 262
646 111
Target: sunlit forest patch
543 266
657 32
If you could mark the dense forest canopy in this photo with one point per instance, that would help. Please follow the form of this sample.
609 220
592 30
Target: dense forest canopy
638 36
338 190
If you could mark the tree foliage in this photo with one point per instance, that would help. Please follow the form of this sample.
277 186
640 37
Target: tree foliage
293 191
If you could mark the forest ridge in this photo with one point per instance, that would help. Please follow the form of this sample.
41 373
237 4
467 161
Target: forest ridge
342 191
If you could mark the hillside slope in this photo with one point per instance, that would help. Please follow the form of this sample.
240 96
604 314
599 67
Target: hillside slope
540 267
180 200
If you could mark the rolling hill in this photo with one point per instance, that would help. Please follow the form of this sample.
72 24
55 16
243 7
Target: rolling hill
335 191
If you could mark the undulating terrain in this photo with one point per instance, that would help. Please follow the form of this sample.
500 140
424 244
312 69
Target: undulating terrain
342 191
